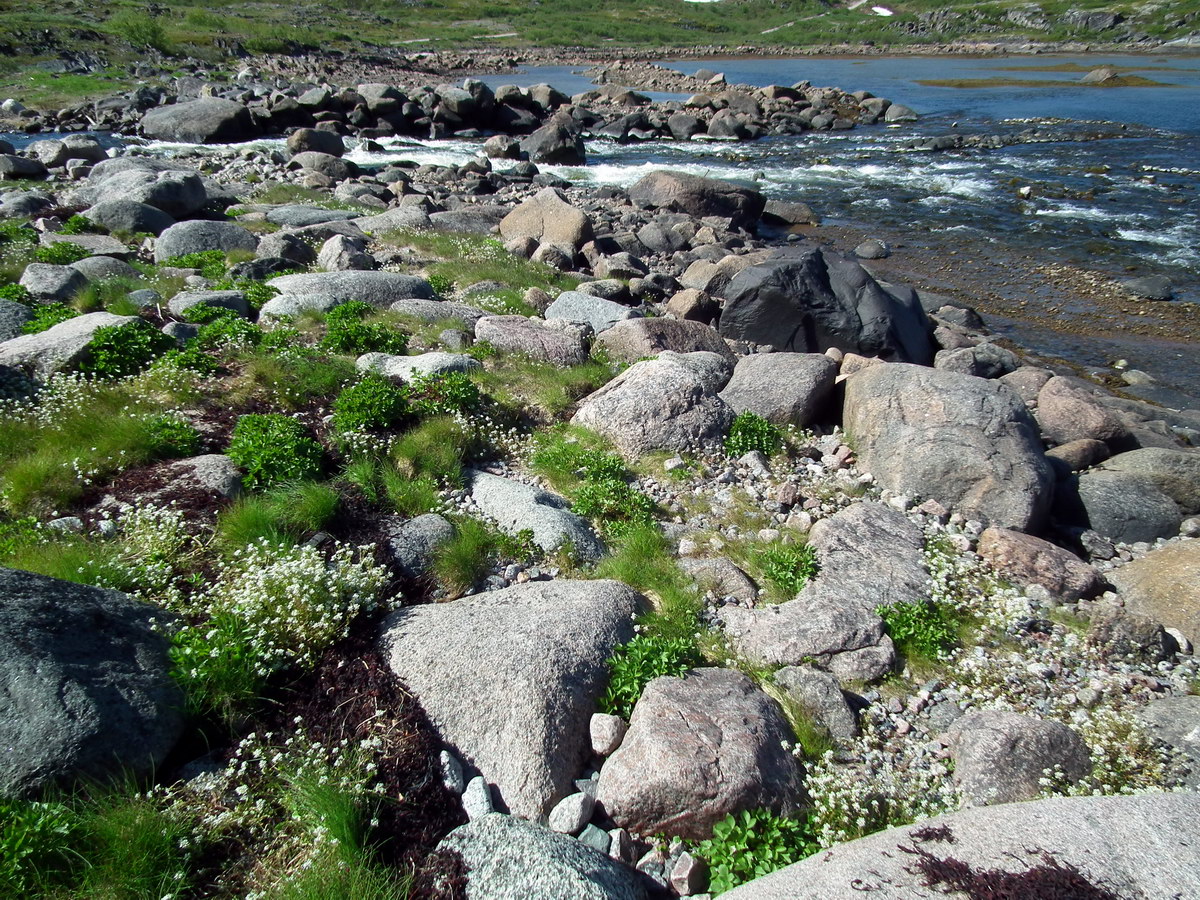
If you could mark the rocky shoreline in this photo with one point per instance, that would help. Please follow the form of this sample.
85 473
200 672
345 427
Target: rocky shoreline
898 476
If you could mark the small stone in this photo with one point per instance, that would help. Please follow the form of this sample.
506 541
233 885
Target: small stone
607 733
477 799
572 813
597 838
70 524
452 772
689 875
622 845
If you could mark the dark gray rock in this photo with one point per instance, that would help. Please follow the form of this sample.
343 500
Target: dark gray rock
985 360
1122 506
698 748
14 167
412 544
13 317
1150 287
699 197
1000 757
85 685
129 217
198 236
296 216
784 388
105 268
324 164
556 142
553 638
968 443
209 120
806 300
304 139
510 859
178 193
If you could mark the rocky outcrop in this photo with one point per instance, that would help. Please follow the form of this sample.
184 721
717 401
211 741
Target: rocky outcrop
59 348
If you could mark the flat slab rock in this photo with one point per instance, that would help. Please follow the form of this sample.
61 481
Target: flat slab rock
1143 846
85 685
510 859
380 289
698 748
510 678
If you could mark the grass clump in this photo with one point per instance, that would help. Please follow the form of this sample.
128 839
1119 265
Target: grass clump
460 562
273 448
46 316
641 557
371 404
347 331
751 432
634 665
291 380
546 389
283 514
788 566
119 350
751 844
436 448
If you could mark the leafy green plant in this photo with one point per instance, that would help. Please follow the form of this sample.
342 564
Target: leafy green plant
228 330
347 332
46 316
191 358
273 448
615 504
788 566
924 629
35 844
79 224
60 253
119 350
171 436
751 844
16 233
202 314
371 404
442 394
634 665
752 432
210 263
17 293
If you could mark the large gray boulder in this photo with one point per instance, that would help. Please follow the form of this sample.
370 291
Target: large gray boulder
1025 560
556 341
57 349
1165 585
104 268
521 507
556 142
548 218
1174 472
595 312
85 685
209 120
174 192
380 289
868 555
530 662
699 197
52 283
784 388
969 443
1142 846
129 216
657 404
234 301
699 748
406 368
1067 411
1176 722
1001 757
199 236
510 859
635 339
807 300
294 215
1121 505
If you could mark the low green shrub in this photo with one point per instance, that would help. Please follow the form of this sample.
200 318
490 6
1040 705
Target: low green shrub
347 332
60 253
634 665
172 437
443 394
191 358
371 404
925 629
566 459
17 233
752 432
140 29
788 566
46 316
273 448
202 314
228 331
614 504
210 263
119 350
751 844
79 224
17 293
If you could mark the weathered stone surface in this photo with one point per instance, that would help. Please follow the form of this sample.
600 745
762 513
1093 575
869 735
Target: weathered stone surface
1027 560
405 368
1176 722
539 340
303 139
985 360
104 268
1066 411
968 443
394 220
607 733
85 685
699 748
548 218
555 142
197 236
820 695
1000 756
806 300
1122 506
598 314
699 197
299 216
380 289
722 576
636 339
438 311
13 317
784 388
1075 456
324 164
49 282
521 507
1165 585
536 658
1142 846
509 859
13 167
59 348
656 405
209 120
1174 472
176 193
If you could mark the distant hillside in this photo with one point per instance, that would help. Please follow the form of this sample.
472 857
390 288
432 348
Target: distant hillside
93 41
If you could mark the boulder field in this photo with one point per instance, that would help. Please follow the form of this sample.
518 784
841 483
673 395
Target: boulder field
923 466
